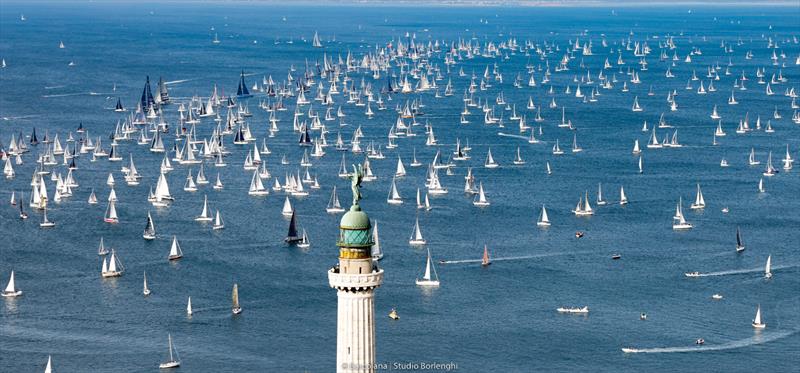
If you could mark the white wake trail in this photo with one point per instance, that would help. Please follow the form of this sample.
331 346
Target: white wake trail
752 341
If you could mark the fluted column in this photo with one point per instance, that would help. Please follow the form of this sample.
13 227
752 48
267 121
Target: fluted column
355 341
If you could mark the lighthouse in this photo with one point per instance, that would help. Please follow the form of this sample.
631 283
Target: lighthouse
355 279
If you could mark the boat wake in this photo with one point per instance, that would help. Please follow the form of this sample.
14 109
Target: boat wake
747 342
510 135
171 82
19 117
76 94
510 258
741 271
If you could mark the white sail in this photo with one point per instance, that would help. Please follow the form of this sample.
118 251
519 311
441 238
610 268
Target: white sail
287 208
204 215
377 253
145 289
162 188
699 201
757 322
394 195
623 199
544 220
768 267
481 199
11 288
430 277
218 223
401 169
175 251
416 235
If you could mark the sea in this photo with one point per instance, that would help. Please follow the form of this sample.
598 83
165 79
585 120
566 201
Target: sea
497 318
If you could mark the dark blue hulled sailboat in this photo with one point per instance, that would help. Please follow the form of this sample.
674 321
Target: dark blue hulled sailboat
292 235
147 95
305 137
119 107
389 87
242 90
34 139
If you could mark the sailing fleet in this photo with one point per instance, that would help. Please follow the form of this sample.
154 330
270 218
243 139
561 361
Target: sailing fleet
282 137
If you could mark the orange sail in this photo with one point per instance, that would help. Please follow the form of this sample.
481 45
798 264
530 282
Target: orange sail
485 261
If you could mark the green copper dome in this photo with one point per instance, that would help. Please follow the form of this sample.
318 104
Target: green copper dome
355 229
355 219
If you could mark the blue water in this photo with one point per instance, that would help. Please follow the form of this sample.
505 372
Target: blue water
499 318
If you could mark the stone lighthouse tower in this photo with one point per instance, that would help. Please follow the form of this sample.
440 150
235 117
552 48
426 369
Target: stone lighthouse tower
355 279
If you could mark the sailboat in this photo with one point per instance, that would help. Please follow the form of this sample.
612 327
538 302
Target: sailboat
699 202
11 289
641 166
111 213
218 223
291 236
394 195
636 106
316 43
49 367
175 251
623 199
218 184
46 223
416 235
174 361
377 253
575 147
583 208
543 221
112 267
256 186
770 170
287 208
739 242
490 162
189 311
149 228
236 308
680 222
485 261
204 215
768 267
22 214
430 277
518 159
751 160
145 289
480 200
333 205
101 250
600 201
757 323
304 242
401 169
556 149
